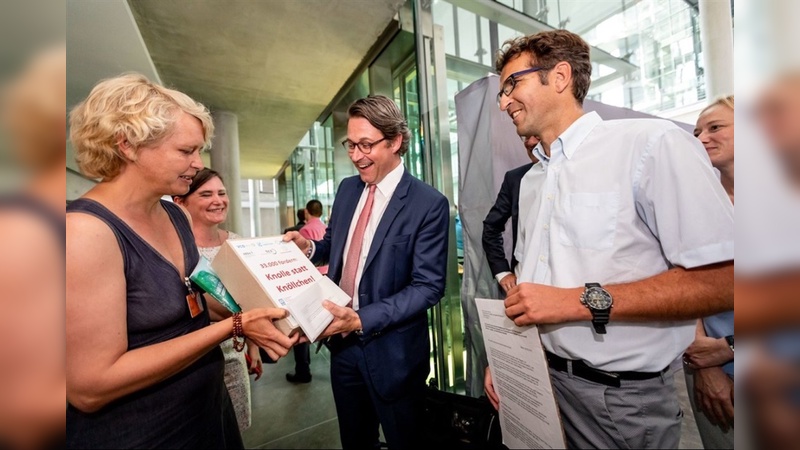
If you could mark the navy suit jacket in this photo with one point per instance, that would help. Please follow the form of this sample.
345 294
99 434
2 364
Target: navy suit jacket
506 205
403 276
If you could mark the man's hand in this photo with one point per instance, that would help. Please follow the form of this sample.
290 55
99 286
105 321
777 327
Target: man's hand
488 387
508 282
713 393
530 303
345 320
707 352
302 243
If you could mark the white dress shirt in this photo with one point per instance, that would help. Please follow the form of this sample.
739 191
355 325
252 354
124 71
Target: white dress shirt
619 201
383 193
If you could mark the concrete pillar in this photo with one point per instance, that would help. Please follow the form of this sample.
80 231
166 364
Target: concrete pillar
716 34
225 160
255 208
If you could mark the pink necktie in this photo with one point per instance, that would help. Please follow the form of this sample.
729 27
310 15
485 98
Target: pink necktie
348 282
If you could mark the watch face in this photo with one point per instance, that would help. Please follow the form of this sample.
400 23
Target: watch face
597 298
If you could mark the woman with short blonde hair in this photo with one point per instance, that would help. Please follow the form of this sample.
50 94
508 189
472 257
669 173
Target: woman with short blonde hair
144 367
133 107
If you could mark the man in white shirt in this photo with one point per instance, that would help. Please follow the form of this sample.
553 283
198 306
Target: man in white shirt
624 213
386 245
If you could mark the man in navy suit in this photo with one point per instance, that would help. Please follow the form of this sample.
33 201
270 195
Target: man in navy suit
386 245
506 206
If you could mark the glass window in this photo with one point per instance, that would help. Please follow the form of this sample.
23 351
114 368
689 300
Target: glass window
467 36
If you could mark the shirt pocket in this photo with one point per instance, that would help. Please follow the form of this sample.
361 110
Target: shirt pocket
590 220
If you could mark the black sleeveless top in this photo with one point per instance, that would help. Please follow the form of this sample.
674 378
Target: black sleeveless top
191 409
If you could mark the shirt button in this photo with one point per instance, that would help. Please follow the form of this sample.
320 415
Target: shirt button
542 258
546 226
549 196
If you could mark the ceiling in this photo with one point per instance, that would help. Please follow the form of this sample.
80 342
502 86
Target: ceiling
276 64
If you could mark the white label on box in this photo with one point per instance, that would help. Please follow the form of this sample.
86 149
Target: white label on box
280 267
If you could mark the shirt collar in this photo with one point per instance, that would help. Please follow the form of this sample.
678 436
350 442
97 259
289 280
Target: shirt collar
571 138
391 180
538 152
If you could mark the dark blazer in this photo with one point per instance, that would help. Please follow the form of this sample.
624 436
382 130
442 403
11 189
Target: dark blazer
506 205
403 276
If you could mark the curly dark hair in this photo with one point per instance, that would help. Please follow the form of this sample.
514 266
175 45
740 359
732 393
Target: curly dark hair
548 48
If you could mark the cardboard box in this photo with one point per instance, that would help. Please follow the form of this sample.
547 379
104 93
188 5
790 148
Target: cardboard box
264 272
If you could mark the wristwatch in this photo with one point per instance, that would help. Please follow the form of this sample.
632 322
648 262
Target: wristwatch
599 302
729 340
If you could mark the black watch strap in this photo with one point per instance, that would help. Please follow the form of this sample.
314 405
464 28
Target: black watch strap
599 320
729 340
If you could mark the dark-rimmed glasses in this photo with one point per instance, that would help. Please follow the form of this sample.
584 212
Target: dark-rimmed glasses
511 82
365 147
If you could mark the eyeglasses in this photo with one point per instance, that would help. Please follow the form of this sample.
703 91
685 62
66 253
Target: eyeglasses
365 147
511 82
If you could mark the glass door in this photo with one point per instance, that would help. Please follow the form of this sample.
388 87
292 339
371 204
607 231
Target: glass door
445 321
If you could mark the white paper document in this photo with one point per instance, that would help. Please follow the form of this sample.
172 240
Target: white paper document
306 306
528 413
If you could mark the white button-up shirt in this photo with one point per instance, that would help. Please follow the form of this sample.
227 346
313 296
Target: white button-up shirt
616 202
383 193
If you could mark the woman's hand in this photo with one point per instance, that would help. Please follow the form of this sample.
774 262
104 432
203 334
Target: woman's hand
257 325
708 352
254 359
713 392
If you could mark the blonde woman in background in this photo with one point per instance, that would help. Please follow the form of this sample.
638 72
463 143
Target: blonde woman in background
207 204
709 360
144 367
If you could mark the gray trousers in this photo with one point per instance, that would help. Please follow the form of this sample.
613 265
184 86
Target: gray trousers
638 414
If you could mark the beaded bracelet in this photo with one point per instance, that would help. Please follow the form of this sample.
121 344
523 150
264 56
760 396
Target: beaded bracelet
238 332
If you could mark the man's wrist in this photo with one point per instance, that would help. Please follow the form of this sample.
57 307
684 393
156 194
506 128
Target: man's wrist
359 328
310 249
499 277
583 313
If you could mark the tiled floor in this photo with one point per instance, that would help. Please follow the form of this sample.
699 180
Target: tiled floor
303 416
286 415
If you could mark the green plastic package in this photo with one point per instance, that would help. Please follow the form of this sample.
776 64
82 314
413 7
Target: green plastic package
206 278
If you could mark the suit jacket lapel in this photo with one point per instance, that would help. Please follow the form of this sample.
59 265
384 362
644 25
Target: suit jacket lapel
396 204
